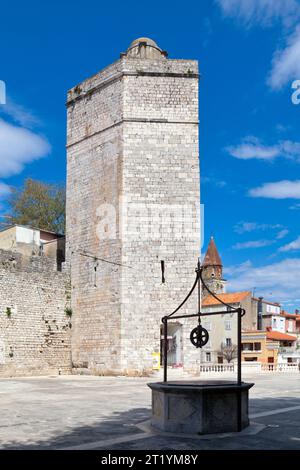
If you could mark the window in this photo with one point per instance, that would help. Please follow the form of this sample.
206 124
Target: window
257 346
272 309
227 325
208 357
228 342
247 347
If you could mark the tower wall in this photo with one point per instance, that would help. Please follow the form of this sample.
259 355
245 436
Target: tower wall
94 180
133 167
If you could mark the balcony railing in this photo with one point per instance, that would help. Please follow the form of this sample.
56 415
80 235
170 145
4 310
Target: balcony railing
281 367
217 368
251 367
252 351
287 350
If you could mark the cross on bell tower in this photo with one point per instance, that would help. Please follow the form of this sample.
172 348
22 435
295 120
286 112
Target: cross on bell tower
213 270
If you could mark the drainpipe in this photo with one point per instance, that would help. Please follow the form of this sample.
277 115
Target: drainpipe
259 313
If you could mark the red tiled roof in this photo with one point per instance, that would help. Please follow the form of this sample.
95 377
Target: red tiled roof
277 336
267 302
250 332
230 298
212 257
272 335
290 315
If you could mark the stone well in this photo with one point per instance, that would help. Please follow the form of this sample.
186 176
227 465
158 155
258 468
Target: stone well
199 407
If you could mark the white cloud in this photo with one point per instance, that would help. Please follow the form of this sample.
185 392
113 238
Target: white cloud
19 146
240 268
286 63
19 114
278 280
251 147
294 245
265 13
213 181
4 189
289 149
280 190
253 244
282 128
207 31
283 233
248 150
262 12
243 227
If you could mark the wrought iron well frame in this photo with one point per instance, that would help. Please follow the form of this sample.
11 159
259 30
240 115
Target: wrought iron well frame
240 313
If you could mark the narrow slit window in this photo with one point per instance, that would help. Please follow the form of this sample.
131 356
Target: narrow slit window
162 265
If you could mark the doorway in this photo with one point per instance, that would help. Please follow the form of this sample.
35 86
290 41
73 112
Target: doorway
174 345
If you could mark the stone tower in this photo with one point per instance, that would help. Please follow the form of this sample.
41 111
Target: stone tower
213 270
133 225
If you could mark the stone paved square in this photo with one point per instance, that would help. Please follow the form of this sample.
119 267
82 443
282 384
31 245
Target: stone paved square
86 412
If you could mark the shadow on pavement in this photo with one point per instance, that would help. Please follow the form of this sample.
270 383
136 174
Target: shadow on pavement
282 431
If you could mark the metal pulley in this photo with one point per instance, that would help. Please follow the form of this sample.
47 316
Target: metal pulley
199 336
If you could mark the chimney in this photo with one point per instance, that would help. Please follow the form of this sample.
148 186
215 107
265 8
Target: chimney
297 312
259 313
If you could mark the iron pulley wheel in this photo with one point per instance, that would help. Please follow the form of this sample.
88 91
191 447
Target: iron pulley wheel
199 336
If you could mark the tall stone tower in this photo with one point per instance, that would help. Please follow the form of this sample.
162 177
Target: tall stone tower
213 270
133 225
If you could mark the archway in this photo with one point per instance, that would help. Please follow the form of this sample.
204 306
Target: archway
174 341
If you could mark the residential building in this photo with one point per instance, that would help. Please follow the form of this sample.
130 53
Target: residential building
269 347
33 241
223 328
292 326
269 334
268 315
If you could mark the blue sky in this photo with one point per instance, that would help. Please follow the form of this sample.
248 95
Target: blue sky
249 56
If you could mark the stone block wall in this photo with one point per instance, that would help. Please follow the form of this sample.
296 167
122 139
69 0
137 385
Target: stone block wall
93 189
133 176
34 325
161 188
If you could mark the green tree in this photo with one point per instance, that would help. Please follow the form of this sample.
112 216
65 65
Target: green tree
39 205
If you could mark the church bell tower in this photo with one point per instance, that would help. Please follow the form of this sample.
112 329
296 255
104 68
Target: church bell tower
213 270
